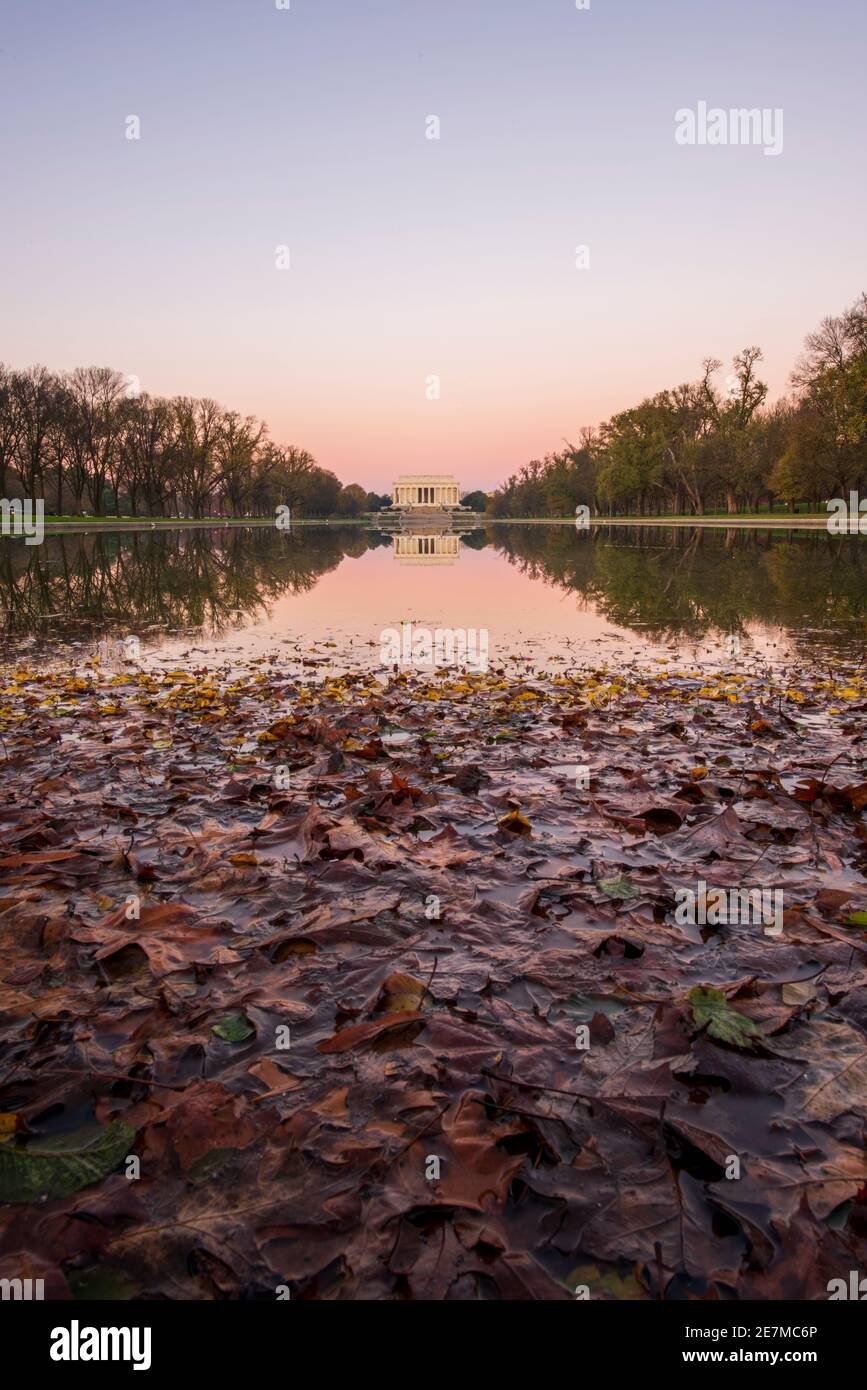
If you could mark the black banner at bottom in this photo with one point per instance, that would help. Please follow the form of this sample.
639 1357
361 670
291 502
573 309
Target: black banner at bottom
78 1339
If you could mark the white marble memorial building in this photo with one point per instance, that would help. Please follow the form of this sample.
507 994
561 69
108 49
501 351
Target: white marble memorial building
437 492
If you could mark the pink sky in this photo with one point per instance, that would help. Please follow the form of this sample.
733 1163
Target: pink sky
412 257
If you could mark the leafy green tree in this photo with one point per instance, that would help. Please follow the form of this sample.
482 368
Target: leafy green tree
352 501
476 501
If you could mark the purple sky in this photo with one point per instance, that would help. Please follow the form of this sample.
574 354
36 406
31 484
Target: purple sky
413 258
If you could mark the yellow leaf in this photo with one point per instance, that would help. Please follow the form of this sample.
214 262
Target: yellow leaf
8 1126
401 994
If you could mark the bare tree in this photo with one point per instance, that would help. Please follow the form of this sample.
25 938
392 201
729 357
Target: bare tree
237 448
98 393
9 423
36 394
197 424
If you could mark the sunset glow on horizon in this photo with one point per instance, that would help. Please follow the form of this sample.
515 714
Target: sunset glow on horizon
414 258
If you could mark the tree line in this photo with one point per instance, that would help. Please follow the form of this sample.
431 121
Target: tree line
702 447
89 441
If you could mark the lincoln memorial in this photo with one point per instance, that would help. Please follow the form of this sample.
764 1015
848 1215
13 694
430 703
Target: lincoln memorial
434 491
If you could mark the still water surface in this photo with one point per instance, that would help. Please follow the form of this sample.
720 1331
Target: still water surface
547 595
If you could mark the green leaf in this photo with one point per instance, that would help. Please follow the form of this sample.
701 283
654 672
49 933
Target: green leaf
602 1281
107 1285
235 1028
621 887
60 1164
857 919
712 1011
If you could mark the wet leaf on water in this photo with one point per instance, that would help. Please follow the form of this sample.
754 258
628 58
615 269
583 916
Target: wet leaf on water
515 823
105 1285
60 1164
367 1032
606 1283
620 887
401 994
235 1028
713 1013
8 1127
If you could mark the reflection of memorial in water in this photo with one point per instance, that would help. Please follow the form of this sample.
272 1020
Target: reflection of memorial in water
414 548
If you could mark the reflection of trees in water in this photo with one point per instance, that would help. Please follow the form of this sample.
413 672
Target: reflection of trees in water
202 579
688 581
683 582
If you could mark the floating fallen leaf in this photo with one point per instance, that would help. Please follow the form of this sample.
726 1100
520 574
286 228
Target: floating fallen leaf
401 994
235 1028
713 1013
367 1032
103 1285
60 1164
620 887
8 1126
